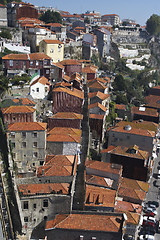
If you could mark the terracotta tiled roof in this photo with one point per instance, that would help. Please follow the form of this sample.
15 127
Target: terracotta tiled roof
135 184
57 65
18 109
77 77
24 101
63 138
125 151
97 85
3 6
67 115
61 160
146 112
43 80
99 197
31 56
151 126
63 84
97 104
65 130
134 131
104 167
132 218
54 170
99 181
74 92
131 193
50 41
122 206
96 116
152 101
99 223
89 69
120 106
66 78
27 126
98 94
70 62
54 24
44 188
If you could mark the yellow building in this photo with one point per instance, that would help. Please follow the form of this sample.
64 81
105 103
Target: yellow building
52 48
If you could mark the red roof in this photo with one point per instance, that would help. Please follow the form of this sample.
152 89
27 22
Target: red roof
67 115
50 41
43 80
87 222
70 62
75 92
144 111
18 109
97 104
27 126
31 56
24 101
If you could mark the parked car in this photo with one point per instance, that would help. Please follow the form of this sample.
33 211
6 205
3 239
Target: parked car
128 237
153 203
149 209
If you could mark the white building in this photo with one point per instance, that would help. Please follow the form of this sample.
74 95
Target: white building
39 88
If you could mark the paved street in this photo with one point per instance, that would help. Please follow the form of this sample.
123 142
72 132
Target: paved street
154 192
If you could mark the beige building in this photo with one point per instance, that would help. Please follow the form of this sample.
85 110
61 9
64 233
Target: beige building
52 48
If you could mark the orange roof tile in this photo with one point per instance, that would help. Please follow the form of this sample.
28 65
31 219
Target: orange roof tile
70 62
65 130
50 41
43 80
120 106
24 101
131 193
99 181
74 92
57 65
63 138
63 84
136 184
89 69
67 115
31 56
96 116
97 104
43 188
61 160
96 84
135 131
54 24
18 109
151 126
127 151
104 167
146 112
27 126
54 170
88 222
152 101
122 206
99 197
98 94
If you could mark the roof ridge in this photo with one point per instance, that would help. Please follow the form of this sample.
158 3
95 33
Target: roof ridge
68 215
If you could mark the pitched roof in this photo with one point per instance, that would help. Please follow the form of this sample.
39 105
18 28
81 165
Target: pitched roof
63 138
65 130
50 41
127 151
134 131
97 85
54 24
27 126
152 101
151 126
99 181
96 116
136 184
122 206
131 193
145 111
43 80
89 69
88 222
73 92
57 65
98 196
104 167
97 104
31 56
18 109
70 62
98 94
120 106
44 188
67 115
24 101
63 84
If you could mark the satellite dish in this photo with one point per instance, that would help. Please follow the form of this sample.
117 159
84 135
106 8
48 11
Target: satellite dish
127 128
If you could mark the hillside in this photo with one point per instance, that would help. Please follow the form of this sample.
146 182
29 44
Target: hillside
4 2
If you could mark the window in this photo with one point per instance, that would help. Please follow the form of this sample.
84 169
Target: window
37 63
13 144
17 63
45 203
11 63
47 71
12 134
25 219
46 89
41 63
24 134
23 144
37 89
35 144
25 205
34 135
41 163
45 62
35 154
31 63
52 50
34 205
33 164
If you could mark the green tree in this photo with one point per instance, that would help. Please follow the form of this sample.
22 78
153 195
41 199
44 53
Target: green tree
20 80
5 33
51 17
119 83
86 20
153 25
4 85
